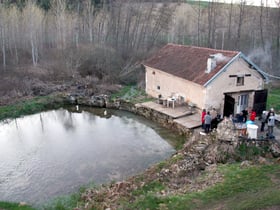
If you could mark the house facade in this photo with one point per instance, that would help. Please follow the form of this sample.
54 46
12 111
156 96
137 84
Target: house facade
208 78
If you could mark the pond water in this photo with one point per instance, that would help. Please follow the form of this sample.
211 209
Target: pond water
56 152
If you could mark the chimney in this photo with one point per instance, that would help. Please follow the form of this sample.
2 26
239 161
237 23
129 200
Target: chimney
211 63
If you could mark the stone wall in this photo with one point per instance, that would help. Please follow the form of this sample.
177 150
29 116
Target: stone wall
225 139
102 101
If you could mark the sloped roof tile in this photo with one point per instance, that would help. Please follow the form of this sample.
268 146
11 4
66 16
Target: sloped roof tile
189 62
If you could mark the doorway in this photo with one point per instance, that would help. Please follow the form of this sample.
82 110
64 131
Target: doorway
242 102
229 105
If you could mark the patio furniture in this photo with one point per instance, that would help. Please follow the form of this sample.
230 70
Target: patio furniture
171 100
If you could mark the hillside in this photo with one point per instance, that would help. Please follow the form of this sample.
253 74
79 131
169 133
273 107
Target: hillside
68 44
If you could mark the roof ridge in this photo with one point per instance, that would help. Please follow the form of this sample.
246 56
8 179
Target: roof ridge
205 48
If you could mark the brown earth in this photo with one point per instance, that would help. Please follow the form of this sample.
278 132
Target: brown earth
191 169
27 82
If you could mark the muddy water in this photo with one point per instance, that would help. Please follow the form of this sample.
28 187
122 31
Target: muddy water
55 152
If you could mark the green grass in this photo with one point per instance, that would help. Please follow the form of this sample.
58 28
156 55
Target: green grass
273 99
131 94
255 187
67 202
203 4
249 152
30 106
14 206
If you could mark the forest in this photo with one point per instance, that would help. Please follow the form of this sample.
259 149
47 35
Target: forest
45 42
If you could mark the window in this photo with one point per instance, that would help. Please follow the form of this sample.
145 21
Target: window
158 87
240 81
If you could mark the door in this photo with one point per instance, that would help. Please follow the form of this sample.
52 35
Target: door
242 102
260 99
228 105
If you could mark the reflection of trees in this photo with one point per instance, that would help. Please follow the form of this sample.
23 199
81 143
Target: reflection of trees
66 119
96 112
42 123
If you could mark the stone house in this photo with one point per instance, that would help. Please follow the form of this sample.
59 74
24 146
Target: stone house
209 78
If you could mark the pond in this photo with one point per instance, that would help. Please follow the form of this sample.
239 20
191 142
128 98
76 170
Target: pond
54 153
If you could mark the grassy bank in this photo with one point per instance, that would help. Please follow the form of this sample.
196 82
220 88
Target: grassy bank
31 106
14 206
132 94
254 187
273 99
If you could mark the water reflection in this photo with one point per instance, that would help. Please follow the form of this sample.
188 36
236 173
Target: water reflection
55 152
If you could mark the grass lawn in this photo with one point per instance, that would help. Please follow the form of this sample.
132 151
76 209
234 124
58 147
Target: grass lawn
31 106
14 206
273 99
256 187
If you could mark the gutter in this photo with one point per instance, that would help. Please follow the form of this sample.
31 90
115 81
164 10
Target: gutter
264 74
240 55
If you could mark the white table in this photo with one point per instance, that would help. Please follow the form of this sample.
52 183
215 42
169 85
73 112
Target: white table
171 100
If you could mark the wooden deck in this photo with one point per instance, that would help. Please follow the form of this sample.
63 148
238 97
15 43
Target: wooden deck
181 114
191 121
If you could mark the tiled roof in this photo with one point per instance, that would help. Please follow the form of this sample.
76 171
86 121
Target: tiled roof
189 62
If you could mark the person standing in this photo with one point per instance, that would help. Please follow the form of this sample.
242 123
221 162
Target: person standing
203 118
270 124
245 114
208 120
214 121
268 114
263 120
253 115
240 118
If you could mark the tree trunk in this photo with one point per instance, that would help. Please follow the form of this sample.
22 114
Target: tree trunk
240 22
278 33
261 24
230 22
3 47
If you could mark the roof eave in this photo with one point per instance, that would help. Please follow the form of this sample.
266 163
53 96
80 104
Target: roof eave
239 55
261 72
222 69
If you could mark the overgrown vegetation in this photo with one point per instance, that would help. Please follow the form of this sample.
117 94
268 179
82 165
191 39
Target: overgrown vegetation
107 40
255 187
249 152
30 106
131 94
67 202
14 206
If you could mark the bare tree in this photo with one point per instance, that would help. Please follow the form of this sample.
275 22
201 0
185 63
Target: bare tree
58 8
14 20
212 14
198 10
242 9
89 12
161 22
3 46
2 34
230 22
33 18
278 30
261 24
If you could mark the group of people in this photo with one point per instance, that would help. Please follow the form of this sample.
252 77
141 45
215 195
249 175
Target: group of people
244 115
209 120
266 118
